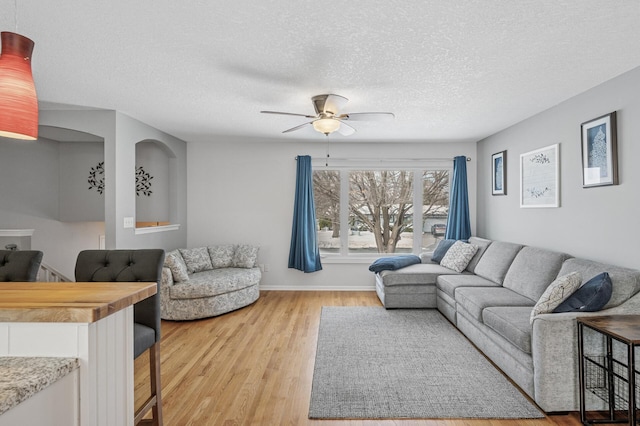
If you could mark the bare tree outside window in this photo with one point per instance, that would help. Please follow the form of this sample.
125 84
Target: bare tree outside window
380 209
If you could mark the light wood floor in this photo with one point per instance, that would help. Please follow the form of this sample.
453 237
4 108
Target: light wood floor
254 366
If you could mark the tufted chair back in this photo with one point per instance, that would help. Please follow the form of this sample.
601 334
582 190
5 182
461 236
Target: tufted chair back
19 265
144 265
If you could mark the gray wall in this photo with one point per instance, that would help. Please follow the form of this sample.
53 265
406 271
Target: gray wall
30 187
154 160
78 203
242 191
600 223
29 199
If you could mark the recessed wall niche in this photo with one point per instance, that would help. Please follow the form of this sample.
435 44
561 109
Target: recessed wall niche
78 154
152 184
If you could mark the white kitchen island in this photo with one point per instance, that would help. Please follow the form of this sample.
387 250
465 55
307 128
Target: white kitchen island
91 322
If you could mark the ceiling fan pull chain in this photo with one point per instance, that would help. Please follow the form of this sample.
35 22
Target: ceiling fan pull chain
326 163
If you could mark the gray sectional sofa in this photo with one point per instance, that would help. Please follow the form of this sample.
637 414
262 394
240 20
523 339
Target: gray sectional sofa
208 281
491 302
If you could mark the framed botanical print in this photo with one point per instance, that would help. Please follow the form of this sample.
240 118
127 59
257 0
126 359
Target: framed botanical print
540 177
499 173
600 151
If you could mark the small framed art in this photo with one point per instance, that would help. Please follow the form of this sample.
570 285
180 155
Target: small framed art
499 173
600 151
540 177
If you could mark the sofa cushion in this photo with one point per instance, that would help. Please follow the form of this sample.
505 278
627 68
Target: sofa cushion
215 282
557 292
245 256
495 261
175 263
422 274
475 299
482 245
625 282
532 270
221 255
590 297
392 263
441 249
512 323
197 259
449 283
458 256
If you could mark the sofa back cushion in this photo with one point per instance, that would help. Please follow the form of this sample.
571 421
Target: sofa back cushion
196 259
495 261
222 255
532 270
245 256
482 245
625 282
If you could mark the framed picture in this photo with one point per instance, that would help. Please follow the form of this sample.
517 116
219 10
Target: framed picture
540 177
499 173
599 151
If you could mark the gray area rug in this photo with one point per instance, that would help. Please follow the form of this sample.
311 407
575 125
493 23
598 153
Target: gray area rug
373 363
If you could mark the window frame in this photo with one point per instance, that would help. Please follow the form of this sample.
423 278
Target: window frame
345 166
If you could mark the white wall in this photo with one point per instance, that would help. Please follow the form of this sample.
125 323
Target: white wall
242 191
599 223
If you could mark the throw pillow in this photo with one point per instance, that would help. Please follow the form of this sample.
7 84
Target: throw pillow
559 290
591 297
245 256
222 255
441 249
197 259
176 265
392 263
458 256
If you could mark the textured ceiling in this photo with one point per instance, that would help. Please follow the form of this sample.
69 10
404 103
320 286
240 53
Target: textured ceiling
449 70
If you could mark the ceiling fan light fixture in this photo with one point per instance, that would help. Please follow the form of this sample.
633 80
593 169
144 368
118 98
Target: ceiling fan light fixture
18 101
326 125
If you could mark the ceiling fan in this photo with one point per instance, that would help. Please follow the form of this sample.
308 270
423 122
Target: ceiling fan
328 120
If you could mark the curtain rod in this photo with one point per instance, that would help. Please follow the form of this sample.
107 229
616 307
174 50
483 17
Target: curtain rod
388 159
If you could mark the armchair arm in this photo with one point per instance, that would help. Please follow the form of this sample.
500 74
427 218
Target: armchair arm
554 346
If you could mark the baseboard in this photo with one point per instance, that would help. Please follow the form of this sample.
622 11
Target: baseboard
314 288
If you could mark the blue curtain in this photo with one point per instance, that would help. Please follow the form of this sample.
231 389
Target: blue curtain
458 223
304 254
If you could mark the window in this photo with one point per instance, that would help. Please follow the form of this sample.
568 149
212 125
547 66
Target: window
377 206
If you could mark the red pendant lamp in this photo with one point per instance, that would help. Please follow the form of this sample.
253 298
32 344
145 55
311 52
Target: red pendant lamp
18 101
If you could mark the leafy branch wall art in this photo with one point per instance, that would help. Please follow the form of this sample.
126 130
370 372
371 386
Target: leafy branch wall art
96 178
143 180
540 177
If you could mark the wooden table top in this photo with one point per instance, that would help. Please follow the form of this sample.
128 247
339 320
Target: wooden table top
623 327
68 301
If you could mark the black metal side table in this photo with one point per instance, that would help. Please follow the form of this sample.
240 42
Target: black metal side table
612 380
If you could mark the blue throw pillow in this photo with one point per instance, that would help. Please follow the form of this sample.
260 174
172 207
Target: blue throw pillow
441 249
393 262
590 297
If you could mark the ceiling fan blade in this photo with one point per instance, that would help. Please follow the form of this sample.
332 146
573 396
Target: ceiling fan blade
288 113
293 129
328 103
345 129
367 116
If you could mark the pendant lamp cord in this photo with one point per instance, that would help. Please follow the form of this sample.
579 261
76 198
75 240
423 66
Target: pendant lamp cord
15 14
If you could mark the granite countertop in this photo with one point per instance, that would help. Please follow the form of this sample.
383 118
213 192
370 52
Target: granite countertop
23 377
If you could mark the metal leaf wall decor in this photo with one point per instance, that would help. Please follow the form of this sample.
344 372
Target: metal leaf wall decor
96 178
143 180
